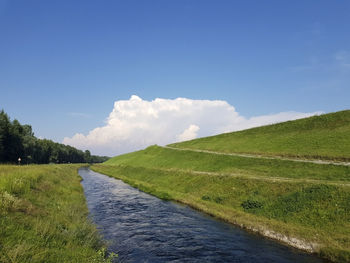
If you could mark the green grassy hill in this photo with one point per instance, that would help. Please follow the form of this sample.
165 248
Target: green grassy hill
187 160
319 137
303 204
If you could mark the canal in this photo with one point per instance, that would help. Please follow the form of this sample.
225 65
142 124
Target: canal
142 228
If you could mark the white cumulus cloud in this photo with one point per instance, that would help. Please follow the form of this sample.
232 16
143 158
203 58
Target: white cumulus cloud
188 134
136 123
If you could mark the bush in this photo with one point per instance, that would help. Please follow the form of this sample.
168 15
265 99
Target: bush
251 204
206 198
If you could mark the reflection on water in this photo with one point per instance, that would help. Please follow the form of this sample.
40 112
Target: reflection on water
143 228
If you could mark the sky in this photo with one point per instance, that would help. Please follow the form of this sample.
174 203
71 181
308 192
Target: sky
116 76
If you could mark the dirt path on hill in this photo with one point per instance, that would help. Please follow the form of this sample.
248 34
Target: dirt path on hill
262 178
259 156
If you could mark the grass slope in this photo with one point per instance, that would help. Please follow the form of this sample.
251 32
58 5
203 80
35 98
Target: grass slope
164 158
307 201
320 137
43 216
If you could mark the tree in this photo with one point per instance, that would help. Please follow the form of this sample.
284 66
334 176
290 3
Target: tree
18 140
87 156
16 148
4 136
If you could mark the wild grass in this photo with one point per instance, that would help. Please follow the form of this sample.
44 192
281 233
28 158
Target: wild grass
320 137
44 217
317 213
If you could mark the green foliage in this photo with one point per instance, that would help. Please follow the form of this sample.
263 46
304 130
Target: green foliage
44 218
206 198
104 257
18 140
98 159
320 137
251 204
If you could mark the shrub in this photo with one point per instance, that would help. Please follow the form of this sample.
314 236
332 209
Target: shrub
251 204
206 198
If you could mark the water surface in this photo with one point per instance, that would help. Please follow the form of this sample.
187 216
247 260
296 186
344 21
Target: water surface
143 228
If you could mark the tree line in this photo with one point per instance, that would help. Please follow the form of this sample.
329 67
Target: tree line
18 141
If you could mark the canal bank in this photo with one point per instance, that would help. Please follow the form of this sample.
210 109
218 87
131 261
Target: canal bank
143 228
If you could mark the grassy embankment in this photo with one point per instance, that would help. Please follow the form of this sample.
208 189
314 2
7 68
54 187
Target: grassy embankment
319 137
305 205
43 216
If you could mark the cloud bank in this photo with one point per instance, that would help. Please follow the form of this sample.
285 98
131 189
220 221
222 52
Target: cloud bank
136 123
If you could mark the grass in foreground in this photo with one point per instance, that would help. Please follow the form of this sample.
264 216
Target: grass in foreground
44 218
320 137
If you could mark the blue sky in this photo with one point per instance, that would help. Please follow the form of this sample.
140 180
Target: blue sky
64 63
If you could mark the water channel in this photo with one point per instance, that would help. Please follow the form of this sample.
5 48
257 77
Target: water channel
142 228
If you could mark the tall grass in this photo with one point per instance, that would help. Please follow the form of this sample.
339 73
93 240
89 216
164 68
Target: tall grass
44 217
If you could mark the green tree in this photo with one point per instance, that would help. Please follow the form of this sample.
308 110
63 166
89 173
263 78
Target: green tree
18 140
4 136
87 156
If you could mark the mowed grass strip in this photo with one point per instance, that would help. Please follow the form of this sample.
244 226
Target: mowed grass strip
317 214
159 157
320 137
44 217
